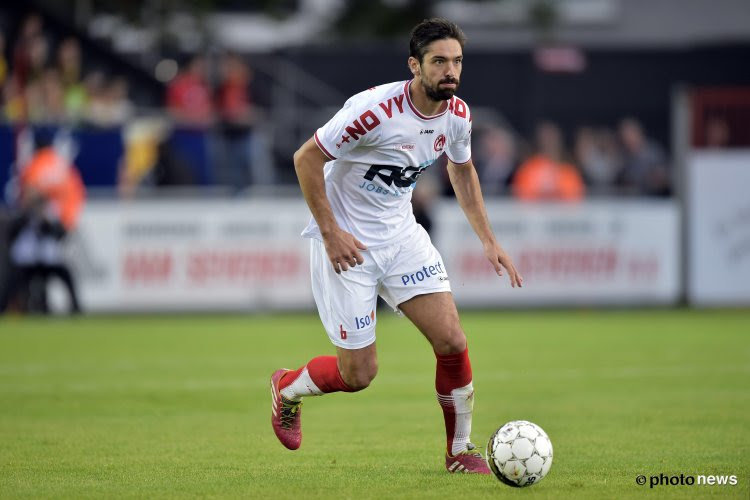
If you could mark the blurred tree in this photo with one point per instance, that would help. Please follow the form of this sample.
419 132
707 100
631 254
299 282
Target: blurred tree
543 18
378 18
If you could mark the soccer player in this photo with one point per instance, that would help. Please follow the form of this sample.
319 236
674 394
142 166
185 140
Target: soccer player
357 174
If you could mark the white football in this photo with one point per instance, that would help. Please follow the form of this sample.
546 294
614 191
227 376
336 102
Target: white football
519 453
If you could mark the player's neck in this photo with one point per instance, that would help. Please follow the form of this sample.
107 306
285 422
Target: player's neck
424 104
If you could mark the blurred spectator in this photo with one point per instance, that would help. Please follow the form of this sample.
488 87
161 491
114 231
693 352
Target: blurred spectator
69 66
51 196
237 115
46 99
189 96
597 155
149 158
497 160
93 85
38 56
31 32
717 133
545 175
3 61
170 168
108 105
233 97
190 103
121 108
644 169
13 101
31 79
54 96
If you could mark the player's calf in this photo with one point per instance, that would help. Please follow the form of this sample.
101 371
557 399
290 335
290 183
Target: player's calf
359 378
357 367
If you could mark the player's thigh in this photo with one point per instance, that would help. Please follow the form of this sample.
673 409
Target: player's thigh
346 302
416 269
417 284
436 316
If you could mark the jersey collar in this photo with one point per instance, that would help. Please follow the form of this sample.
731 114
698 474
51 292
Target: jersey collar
414 108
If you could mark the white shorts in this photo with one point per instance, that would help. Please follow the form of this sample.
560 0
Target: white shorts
347 301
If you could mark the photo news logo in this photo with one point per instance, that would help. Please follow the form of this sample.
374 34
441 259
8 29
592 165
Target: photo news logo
683 480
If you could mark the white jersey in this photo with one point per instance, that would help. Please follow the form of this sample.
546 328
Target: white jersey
378 144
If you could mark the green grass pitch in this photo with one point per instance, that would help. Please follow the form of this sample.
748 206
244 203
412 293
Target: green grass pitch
178 406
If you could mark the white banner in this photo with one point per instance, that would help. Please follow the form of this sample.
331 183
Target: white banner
214 255
193 255
718 198
608 252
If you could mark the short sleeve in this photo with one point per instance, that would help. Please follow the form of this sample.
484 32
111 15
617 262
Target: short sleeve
459 151
346 130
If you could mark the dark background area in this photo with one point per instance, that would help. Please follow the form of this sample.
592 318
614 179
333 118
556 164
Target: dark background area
615 83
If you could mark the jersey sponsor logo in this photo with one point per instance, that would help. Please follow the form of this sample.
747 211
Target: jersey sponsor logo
365 321
374 188
391 174
457 107
344 139
387 106
368 120
426 131
423 274
405 147
439 143
365 123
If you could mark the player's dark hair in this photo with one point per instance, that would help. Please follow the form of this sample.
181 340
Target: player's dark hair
430 30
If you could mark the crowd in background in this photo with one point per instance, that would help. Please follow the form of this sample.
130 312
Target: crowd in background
600 161
206 134
46 83
209 137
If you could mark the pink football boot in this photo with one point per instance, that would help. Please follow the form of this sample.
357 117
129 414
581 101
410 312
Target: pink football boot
285 415
467 462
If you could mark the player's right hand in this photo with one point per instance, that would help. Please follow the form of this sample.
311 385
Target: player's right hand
343 250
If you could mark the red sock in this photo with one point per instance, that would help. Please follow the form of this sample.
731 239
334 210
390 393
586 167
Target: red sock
454 372
323 371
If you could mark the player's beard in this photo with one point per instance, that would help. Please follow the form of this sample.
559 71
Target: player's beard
440 94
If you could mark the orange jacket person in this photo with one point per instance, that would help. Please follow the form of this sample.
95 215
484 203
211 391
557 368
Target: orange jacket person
542 178
50 179
545 176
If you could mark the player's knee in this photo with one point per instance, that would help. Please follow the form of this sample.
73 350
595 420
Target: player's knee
360 377
453 342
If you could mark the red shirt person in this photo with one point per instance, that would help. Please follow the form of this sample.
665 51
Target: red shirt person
189 97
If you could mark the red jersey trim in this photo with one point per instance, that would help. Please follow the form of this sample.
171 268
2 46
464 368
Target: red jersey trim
414 109
322 148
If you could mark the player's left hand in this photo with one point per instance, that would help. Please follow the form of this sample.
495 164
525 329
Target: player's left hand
499 260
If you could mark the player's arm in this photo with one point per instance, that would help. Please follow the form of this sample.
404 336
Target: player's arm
342 247
465 183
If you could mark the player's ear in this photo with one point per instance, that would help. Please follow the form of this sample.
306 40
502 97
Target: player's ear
414 66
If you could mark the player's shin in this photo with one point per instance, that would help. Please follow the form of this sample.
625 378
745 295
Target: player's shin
455 393
457 412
